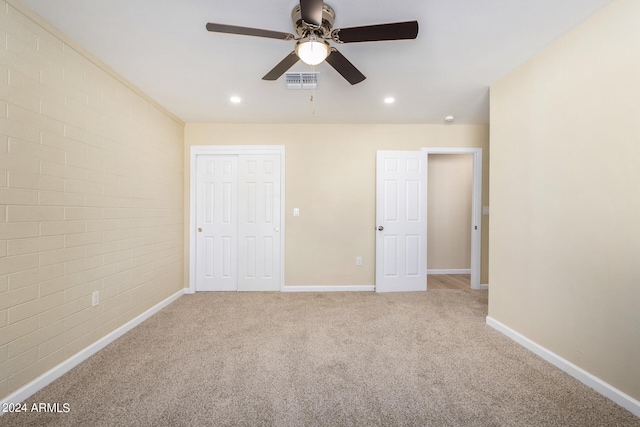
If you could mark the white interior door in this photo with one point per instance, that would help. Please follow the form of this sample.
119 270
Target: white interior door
216 219
259 223
238 202
401 238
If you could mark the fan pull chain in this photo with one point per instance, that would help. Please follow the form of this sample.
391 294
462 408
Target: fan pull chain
313 93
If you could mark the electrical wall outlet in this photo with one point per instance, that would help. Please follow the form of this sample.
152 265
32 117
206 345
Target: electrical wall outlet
95 298
358 260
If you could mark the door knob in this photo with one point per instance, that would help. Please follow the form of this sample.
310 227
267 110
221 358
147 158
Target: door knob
380 228
199 230
276 229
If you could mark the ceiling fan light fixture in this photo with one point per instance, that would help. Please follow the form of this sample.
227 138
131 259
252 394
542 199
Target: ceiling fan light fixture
313 23
311 51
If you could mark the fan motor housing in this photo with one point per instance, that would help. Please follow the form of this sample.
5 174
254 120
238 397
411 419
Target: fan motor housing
304 29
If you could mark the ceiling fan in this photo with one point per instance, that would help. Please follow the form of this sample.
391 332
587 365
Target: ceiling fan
313 23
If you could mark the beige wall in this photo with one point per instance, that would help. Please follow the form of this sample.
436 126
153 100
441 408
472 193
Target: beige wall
565 197
450 185
330 177
90 199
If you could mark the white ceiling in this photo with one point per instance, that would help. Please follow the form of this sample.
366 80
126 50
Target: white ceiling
463 46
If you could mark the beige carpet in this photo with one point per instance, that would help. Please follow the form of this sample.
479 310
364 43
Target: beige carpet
281 359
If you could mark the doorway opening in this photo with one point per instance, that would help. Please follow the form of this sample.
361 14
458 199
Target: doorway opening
401 218
449 203
465 250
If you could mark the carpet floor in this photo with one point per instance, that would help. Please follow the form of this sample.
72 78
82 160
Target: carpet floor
320 359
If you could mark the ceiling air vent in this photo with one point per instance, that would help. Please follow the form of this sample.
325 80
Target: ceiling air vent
301 80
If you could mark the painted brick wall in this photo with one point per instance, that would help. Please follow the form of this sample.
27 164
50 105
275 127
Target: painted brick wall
91 198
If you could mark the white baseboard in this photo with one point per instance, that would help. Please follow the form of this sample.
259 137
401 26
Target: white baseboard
484 286
56 372
330 288
605 389
449 271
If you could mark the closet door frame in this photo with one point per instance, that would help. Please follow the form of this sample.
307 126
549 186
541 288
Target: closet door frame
198 150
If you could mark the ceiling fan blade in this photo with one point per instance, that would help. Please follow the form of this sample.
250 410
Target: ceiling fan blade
311 11
373 33
288 62
344 67
246 31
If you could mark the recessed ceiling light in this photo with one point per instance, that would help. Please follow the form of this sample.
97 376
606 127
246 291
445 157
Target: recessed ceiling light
235 99
449 119
389 100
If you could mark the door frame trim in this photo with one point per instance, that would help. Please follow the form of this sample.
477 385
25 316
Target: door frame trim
197 150
476 205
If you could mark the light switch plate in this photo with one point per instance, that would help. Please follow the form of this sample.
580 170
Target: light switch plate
296 212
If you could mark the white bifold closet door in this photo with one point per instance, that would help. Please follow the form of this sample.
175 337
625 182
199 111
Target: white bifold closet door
238 219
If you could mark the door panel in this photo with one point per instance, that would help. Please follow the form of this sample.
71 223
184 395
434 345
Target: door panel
259 223
413 252
216 215
401 259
